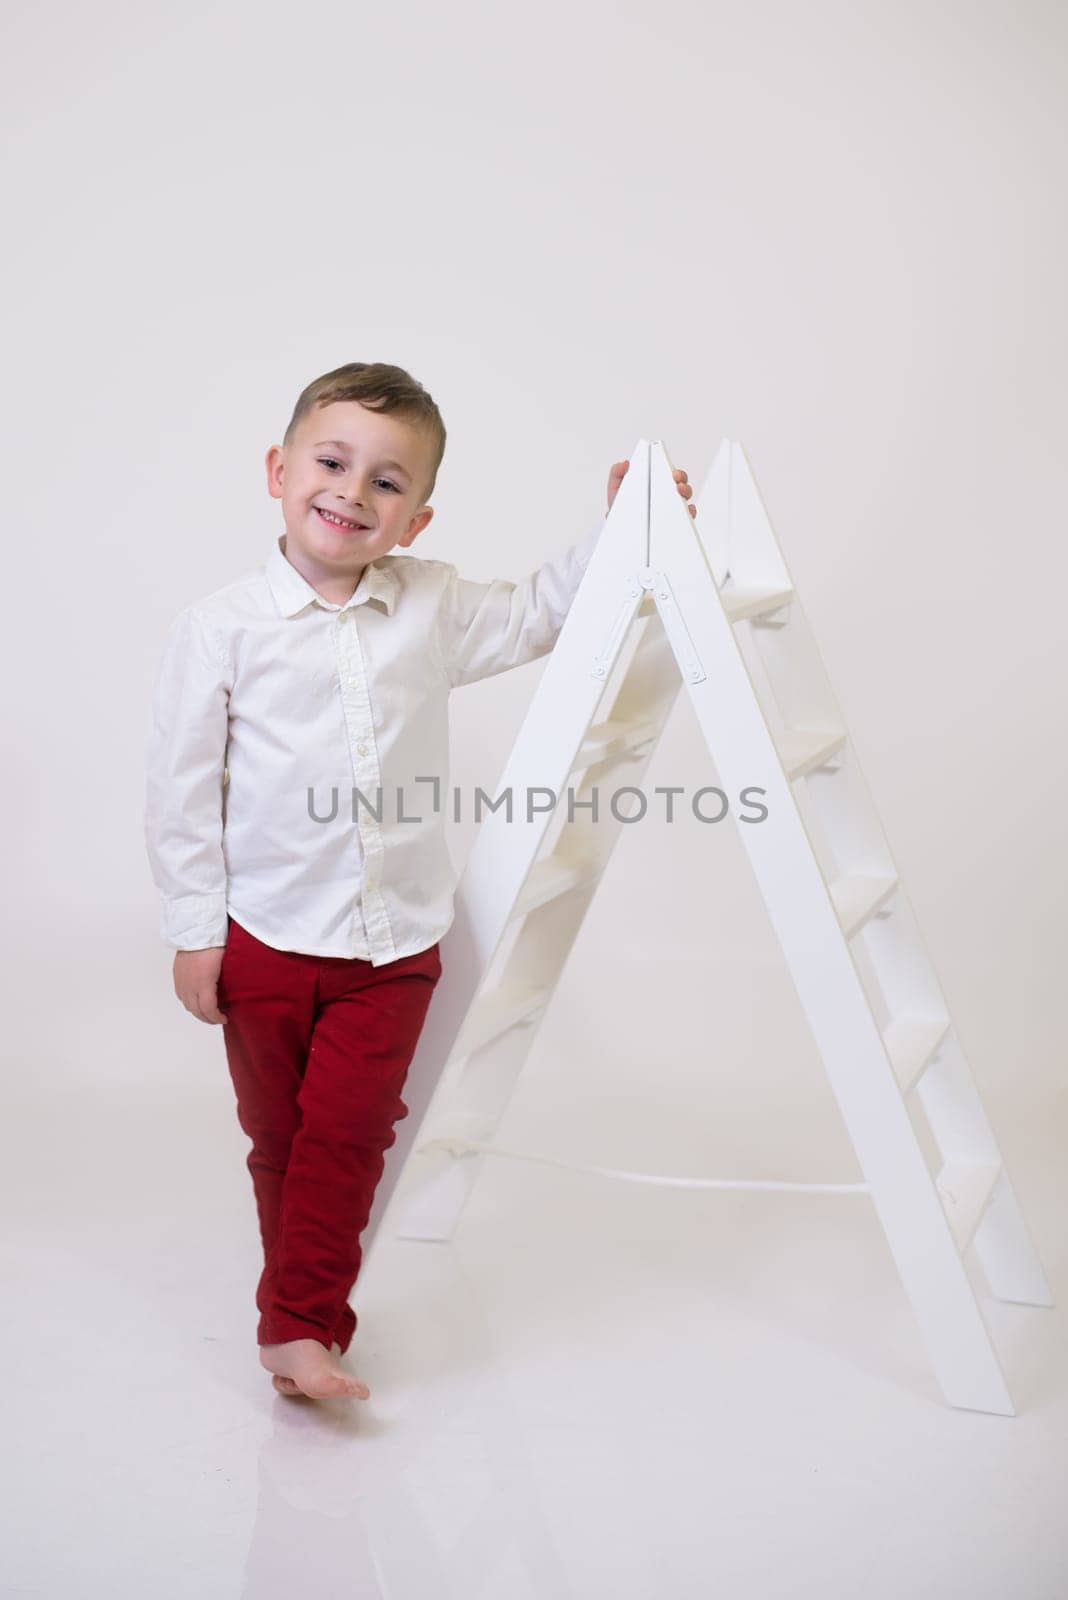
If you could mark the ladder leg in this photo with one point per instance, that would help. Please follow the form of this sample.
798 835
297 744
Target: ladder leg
934 1276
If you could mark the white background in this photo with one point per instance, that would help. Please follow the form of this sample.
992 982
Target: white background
833 231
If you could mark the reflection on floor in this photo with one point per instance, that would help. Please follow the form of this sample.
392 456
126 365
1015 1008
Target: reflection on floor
598 1390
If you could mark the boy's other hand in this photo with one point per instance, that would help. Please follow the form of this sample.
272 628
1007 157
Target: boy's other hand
196 978
619 472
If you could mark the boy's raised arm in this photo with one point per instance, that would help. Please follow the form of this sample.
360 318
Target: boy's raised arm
485 628
185 760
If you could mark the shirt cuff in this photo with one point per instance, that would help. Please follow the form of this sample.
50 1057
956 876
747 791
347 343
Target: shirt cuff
195 921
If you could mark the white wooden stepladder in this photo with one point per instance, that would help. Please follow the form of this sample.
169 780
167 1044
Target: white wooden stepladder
711 605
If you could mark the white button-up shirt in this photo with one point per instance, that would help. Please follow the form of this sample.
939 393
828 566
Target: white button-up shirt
291 737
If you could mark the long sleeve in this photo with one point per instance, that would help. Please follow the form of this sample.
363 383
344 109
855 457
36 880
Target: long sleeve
186 758
485 628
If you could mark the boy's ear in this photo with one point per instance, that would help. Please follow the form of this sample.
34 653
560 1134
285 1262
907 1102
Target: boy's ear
416 526
274 462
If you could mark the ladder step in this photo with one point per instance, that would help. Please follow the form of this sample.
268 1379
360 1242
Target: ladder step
753 600
965 1188
910 1043
499 1010
613 737
550 878
858 898
747 600
802 750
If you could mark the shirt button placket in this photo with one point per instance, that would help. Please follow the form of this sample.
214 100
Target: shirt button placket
365 769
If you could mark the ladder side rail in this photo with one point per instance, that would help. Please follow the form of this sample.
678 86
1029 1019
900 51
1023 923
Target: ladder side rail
499 862
477 1087
898 969
828 985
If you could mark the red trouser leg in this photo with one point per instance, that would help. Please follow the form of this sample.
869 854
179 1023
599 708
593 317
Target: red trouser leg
318 1049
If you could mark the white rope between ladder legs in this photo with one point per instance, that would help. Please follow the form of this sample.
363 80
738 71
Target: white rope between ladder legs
462 1147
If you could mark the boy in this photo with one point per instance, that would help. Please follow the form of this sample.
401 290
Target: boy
314 939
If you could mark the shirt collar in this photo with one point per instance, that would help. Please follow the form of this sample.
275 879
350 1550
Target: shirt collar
292 592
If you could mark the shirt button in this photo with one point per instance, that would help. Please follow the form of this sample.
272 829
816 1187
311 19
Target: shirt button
361 749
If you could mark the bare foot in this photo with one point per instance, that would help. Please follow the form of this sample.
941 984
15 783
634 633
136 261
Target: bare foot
286 1385
304 1366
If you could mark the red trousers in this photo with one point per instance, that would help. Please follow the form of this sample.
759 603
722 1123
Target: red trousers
318 1049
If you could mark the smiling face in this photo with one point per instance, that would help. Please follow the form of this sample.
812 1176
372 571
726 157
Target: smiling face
351 482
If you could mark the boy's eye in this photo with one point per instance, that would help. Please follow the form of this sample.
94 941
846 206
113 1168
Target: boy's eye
329 461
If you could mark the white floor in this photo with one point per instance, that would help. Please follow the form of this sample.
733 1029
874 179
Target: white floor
599 1390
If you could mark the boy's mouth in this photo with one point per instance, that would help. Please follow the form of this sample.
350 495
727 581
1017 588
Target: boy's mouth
335 521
